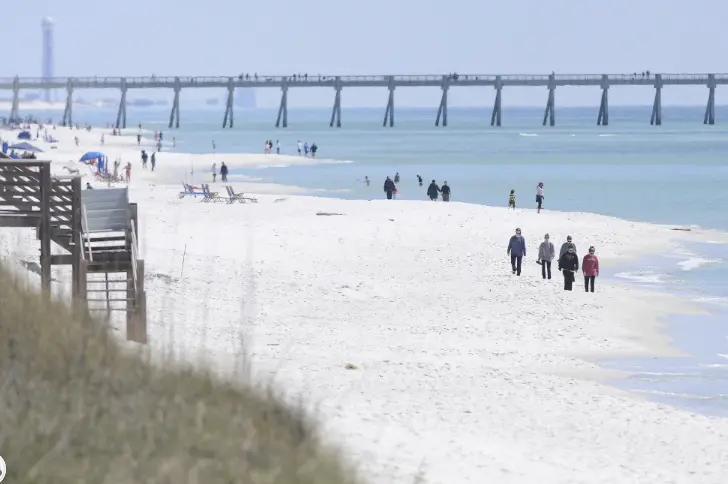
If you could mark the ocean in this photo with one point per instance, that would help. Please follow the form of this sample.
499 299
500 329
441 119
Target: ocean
676 173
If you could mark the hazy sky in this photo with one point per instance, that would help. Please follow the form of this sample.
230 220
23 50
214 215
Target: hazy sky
226 37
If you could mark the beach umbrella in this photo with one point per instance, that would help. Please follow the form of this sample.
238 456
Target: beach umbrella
24 135
92 155
25 147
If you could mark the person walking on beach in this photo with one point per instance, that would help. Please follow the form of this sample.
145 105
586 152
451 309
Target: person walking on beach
546 254
517 251
389 188
305 148
590 268
278 147
568 265
565 246
396 177
512 200
139 140
300 147
539 196
432 191
145 157
445 189
154 160
314 149
214 172
127 171
223 171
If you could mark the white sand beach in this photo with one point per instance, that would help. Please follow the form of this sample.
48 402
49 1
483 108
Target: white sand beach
400 324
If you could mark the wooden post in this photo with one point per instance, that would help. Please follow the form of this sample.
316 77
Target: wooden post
136 316
45 226
77 236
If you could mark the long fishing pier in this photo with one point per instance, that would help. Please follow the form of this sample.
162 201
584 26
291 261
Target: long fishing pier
338 83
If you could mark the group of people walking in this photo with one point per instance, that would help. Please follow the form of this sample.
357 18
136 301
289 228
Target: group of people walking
433 190
568 261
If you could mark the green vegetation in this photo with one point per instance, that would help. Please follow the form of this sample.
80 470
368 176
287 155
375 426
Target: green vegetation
76 408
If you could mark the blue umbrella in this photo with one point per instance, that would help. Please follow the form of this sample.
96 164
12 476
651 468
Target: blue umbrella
25 147
91 155
24 135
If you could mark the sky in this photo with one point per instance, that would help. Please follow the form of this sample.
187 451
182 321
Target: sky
282 37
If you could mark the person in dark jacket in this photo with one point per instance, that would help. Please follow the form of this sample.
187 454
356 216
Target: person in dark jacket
445 189
389 188
419 180
569 265
433 190
517 251
223 171
396 177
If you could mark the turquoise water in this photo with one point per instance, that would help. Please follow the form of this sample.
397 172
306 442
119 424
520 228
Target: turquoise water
676 174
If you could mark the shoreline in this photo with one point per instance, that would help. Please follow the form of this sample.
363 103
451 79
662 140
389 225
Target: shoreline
449 350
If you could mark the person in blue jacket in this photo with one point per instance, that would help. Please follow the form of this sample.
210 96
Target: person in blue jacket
517 251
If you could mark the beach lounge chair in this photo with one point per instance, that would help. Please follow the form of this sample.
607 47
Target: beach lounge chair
188 190
241 197
210 196
231 196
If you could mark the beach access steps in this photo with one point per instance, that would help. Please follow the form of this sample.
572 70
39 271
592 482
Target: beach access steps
98 230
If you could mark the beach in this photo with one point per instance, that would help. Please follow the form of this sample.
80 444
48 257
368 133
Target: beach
400 325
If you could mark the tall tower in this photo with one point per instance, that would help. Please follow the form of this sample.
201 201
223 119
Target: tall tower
47 67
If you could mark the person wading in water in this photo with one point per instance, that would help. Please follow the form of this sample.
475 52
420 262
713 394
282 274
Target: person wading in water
568 265
389 188
433 190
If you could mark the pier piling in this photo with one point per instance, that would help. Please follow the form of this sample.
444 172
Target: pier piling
68 111
442 110
174 115
549 114
15 108
389 112
656 118
283 108
603 117
336 112
228 119
121 115
495 118
709 117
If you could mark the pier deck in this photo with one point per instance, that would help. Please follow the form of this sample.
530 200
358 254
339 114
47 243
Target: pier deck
391 82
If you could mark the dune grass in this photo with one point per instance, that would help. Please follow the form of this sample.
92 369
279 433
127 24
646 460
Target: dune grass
76 408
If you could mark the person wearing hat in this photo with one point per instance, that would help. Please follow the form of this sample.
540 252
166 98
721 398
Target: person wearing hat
517 251
566 245
546 254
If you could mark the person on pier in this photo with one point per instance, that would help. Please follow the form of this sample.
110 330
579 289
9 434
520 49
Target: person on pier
569 265
590 268
445 189
389 188
433 191
546 254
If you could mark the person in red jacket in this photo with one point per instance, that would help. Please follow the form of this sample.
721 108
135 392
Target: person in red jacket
590 267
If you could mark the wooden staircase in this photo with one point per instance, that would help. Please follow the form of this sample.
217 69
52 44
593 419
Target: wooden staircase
98 229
